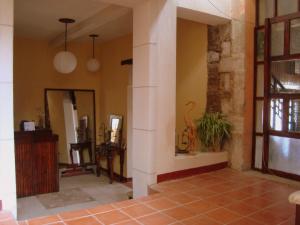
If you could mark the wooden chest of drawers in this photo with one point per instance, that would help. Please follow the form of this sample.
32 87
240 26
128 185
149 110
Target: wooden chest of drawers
36 163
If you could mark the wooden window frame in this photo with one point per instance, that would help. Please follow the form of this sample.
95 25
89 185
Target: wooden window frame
267 94
275 10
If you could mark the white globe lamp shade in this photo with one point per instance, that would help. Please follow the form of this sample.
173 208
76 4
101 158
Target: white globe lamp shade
65 62
93 65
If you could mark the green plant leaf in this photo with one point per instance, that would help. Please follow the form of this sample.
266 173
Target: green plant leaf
213 129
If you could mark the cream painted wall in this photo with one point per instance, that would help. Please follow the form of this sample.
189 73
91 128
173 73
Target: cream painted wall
114 83
34 71
191 77
114 78
166 161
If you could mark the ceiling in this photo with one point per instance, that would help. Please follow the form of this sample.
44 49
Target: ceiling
39 19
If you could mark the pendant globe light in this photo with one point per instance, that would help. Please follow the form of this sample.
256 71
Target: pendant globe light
65 62
93 64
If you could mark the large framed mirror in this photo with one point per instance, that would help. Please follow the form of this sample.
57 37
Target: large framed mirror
70 113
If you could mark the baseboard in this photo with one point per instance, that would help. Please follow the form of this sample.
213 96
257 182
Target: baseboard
190 172
72 173
178 174
67 165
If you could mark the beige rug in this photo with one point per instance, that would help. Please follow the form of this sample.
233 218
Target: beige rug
64 198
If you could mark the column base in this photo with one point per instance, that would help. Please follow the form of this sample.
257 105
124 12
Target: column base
141 182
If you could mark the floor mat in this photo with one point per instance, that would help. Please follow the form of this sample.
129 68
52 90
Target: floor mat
64 198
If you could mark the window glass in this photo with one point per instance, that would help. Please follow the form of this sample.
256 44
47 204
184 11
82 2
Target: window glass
285 7
260 81
259 116
295 37
277 39
294 115
260 47
285 76
284 154
276 114
266 10
258 152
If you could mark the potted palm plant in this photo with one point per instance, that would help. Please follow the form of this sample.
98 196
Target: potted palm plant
213 130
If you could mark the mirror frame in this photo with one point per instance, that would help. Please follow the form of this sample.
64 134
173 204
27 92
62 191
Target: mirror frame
120 118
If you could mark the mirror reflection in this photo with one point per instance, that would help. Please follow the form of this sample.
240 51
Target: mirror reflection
285 76
115 129
70 115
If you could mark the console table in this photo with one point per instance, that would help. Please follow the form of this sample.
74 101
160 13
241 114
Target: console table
109 151
80 147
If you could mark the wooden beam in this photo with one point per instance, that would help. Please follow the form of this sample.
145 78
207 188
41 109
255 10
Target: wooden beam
127 62
126 3
86 27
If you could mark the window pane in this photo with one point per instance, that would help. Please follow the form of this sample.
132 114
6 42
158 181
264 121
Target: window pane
276 114
260 48
294 115
258 152
285 76
277 39
259 116
266 10
287 6
295 37
260 81
284 154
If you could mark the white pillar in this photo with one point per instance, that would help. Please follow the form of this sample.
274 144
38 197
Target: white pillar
129 124
154 86
7 156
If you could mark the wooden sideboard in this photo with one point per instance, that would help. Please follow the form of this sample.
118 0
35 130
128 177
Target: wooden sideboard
36 162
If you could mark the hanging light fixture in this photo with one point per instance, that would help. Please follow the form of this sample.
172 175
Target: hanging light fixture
93 64
65 61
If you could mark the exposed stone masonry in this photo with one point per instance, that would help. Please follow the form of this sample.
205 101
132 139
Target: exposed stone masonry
219 71
226 83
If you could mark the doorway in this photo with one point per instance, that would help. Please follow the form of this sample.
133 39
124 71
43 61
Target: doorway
86 98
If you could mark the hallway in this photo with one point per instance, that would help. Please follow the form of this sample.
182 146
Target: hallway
220 197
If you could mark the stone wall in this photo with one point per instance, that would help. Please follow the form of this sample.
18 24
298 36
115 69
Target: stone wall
219 79
226 85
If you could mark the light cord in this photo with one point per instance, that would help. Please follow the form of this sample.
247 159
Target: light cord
66 33
93 47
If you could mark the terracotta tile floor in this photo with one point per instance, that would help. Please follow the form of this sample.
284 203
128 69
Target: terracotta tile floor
220 197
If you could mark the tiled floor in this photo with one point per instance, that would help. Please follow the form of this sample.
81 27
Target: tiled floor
98 188
221 197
